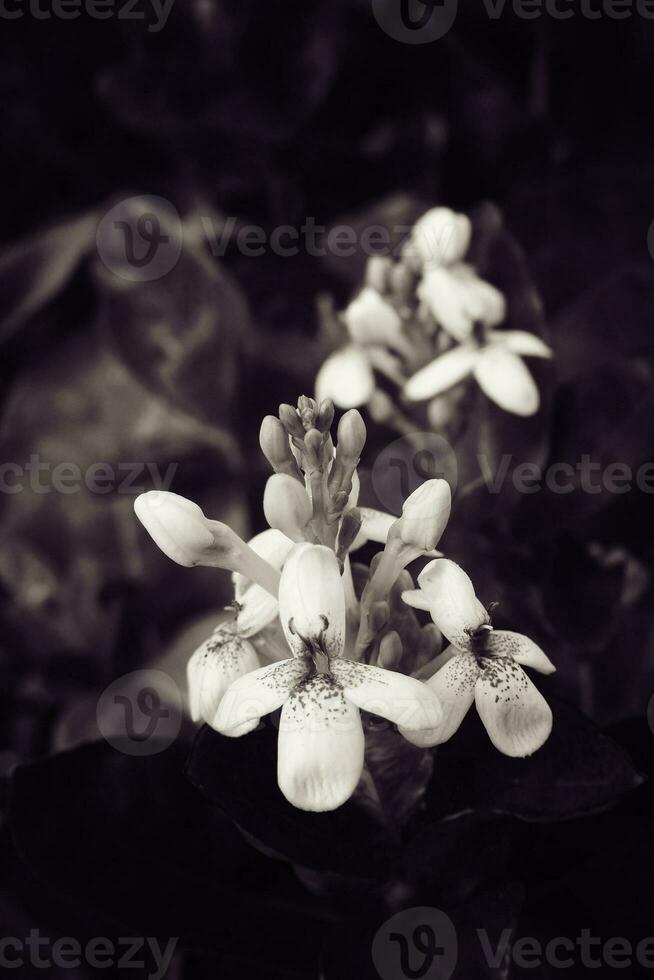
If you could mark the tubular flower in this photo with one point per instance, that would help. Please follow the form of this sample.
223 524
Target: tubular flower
321 740
483 665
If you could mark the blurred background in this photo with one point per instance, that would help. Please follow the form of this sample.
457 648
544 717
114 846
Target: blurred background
230 113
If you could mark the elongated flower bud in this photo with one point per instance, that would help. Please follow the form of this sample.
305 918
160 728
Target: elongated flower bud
351 440
425 514
287 506
275 446
291 421
378 269
176 525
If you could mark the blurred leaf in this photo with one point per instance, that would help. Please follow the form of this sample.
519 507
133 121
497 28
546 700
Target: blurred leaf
578 771
36 269
240 776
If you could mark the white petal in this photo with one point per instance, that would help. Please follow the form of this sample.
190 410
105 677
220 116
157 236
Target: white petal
453 605
370 319
515 714
454 686
520 342
287 505
258 606
375 526
442 373
346 377
450 301
320 748
506 380
401 699
312 600
353 499
440 237
416 598
217 663
504 643
257 694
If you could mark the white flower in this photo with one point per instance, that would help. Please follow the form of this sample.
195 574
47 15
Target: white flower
482 665
321 741
458 298
439 237
496 365
257 607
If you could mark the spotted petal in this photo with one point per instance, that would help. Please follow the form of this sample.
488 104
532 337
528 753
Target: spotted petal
504 643
506 380
403 700
312 600
454 686
346 377
216 664
321 745
453 605
257 694
515 714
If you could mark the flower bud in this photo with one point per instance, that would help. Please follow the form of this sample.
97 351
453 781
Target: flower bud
312 601
425 514
402 283
176 525
291 421
287 506
275 446
325 415
351 436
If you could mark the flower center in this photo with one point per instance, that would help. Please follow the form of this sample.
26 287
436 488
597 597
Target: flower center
316 647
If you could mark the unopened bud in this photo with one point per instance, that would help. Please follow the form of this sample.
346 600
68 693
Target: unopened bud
274 443
287 506
403 283
325 415
291 421
350 527
425 514
176 525
351 435
307 409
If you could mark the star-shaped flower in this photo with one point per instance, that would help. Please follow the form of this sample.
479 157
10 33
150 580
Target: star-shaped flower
483 665
494 358
321 741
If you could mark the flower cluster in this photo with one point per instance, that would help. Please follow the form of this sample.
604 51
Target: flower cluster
324 639
425 323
